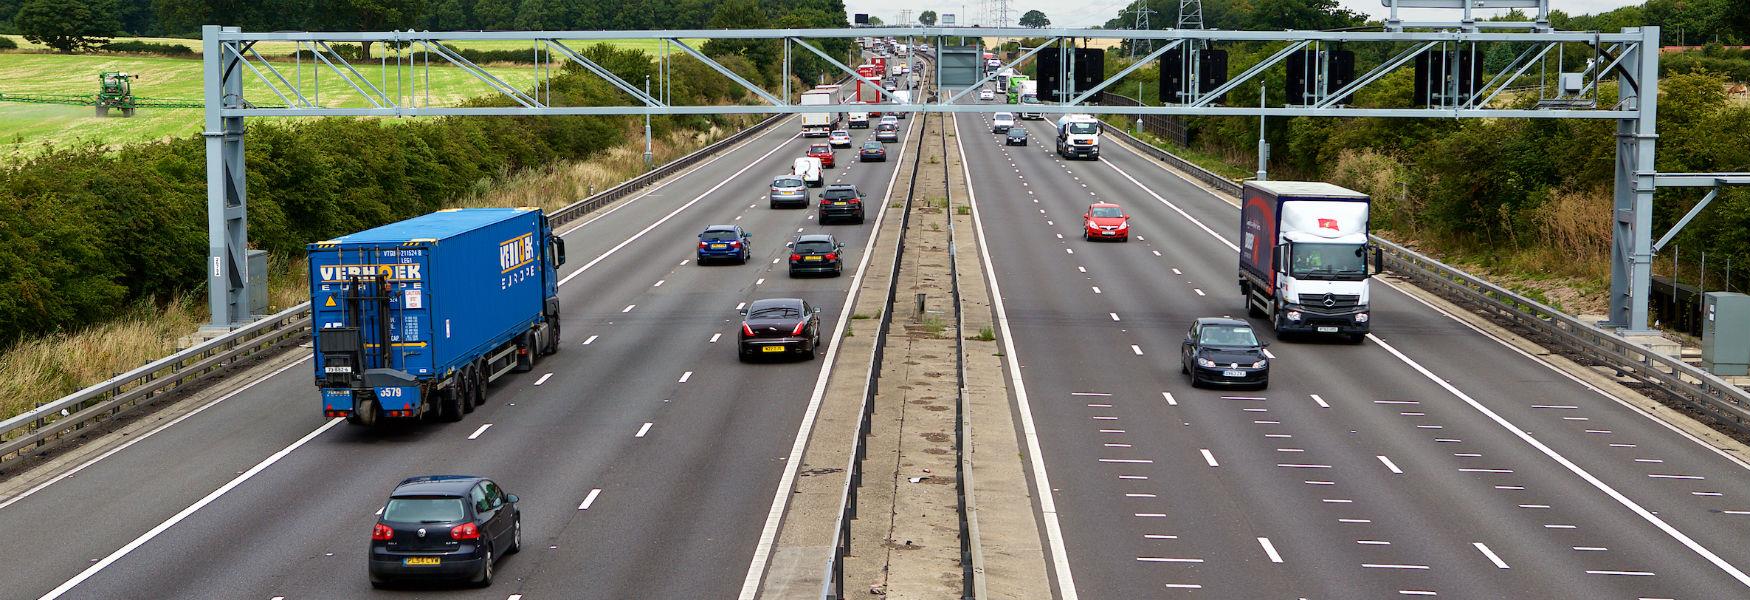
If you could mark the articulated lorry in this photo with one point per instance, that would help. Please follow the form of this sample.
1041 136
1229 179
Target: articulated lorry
1017 83
817 124
1078 135
415 319
1303 257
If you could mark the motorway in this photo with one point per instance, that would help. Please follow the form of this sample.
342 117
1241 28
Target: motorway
645 455
1430 460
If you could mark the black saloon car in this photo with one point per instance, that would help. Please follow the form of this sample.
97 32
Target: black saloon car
841 201
779 327
872 151
444 527
1221 351
816 254
1017 136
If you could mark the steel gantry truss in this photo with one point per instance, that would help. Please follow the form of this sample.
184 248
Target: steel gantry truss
1629 57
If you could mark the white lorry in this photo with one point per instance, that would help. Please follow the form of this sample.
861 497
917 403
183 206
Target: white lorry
1078 135
1030 98
817 124
901 97
1304 257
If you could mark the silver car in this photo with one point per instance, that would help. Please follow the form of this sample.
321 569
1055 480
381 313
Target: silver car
789 190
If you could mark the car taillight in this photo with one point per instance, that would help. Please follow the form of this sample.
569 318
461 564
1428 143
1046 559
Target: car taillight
832 256
856 200
794 257
465 531
382 533
704 245
735 244
746 330
798 329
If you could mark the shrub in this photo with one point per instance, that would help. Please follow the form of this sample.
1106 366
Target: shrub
6 43
139 47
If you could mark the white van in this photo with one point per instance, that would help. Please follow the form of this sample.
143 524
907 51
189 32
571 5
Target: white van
808 168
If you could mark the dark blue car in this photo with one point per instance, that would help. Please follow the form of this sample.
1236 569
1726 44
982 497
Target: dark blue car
452 527
725 242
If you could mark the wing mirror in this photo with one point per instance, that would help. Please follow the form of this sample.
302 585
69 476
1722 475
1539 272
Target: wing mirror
511 498
816 310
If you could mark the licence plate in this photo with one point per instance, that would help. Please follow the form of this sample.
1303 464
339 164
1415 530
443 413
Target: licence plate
1327 330
1107 233
811 259
718 246
413 561
771 349
840 203
1233 373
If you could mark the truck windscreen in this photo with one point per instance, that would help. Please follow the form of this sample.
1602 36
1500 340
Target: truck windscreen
1084 128
1329 261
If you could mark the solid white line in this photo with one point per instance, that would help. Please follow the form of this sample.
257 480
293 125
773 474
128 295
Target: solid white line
184 514
714 337
479 431
589 499
1208 458
685 376
756 568
1321 401
1491 555
137 439
642 430
1168 560
1183 586
1630 573
1270 549
1141 461
677 210
628 308
1389 465
1392 566
1041 483
1573 468
1170 400
591 340
543 379
1094 394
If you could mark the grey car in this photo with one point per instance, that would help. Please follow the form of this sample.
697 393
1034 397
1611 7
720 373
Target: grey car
789 190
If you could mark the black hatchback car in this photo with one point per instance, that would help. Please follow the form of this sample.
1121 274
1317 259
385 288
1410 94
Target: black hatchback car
1017 136
816 254
779 327
444 527
841 201
1221 351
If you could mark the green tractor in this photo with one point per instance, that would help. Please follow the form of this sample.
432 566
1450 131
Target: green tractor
115 90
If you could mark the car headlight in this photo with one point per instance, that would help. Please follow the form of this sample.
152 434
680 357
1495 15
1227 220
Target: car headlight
1124 225
1360 317
1204 362
1260 364
1294 315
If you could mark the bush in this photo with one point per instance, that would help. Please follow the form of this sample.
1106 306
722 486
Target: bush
139 47
6 43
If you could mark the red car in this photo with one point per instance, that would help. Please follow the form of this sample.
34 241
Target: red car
1105 221
822 152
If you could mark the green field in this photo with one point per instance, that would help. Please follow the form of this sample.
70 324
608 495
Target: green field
26 128
286 48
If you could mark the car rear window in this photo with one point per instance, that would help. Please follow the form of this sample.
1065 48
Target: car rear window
872 145
717 236
889 127
787 182
814 246
819 148
839 194
773 310
423 510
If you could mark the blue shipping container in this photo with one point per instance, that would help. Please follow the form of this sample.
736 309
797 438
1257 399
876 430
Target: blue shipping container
407 312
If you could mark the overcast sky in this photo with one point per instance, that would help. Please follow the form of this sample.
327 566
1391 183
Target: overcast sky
1082 13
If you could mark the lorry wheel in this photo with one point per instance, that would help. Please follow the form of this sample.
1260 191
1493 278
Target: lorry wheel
553 341
450 404
469 390
482 383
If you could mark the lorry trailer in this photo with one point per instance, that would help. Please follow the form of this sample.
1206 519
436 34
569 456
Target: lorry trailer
1303 257
817 124
415 319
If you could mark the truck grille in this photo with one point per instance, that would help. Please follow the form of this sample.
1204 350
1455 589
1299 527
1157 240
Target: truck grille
1333 301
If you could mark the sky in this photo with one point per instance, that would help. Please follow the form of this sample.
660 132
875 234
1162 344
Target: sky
1096 12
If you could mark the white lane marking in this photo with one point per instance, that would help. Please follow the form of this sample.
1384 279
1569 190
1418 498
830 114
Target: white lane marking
1208 457
1182 213
684 261
1390 465
759 281
1359 521
1175 271
1114 315
1418 592
738 217
1270 549
1041 482
1183 586
685 376
1657 522
589 499
1590 549
39 487
184 514
1556 406
1158 253
739 305
1319 400
1136 495
677 210
591 340
515 597
1139 461
628 308
1373 542
1199 291
756 568
1665 476
659 282
1534 506
1649 460
1268 355
1393 566
1491 555
1629 573
1170 400
1302 466
1096 289
774 261
1136 349
1082 269
1485 470
479 431
1168 560
642 430
1070 250
543 379
677 177
715 337
1059 236
1157 536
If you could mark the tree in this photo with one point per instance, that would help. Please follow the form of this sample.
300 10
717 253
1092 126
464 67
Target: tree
875 21
67 25
1035 19
927 18
373 15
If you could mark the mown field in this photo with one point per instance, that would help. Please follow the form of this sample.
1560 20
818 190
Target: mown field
27 129
650 46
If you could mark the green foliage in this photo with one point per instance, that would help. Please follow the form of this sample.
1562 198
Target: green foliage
67 25
8 44
139 47
927 18
1034 19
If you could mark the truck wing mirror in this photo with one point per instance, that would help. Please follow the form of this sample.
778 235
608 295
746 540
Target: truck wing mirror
559 247
1378 260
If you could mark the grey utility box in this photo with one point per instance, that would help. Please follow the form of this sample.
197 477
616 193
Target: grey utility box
257 283
1725 333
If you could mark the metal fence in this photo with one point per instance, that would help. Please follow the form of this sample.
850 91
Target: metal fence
178 372
1695 388
1167 127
